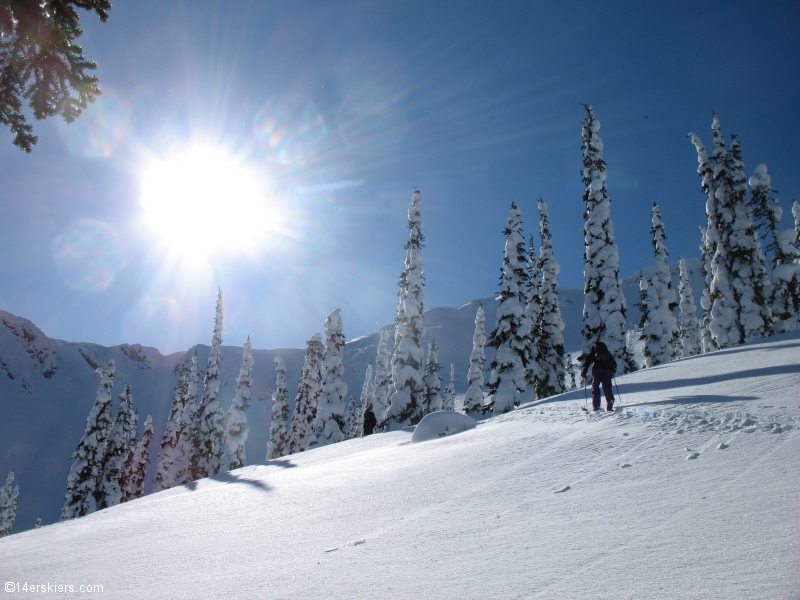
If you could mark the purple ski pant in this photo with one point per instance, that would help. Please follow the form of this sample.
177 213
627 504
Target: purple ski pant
602 377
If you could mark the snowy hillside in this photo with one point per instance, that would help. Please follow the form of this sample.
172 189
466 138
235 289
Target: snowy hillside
689 490
50 385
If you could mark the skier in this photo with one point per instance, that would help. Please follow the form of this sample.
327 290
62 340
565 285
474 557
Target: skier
603 369
369 420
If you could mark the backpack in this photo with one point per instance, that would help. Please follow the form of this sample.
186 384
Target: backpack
605 360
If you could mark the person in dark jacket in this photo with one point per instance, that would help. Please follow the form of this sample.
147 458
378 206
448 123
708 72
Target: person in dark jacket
369 420
603 369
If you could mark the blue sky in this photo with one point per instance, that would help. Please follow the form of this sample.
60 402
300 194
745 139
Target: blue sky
339 108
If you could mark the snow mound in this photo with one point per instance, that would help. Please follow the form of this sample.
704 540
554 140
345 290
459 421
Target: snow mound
441 423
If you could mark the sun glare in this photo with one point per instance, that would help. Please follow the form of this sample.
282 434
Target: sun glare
202 203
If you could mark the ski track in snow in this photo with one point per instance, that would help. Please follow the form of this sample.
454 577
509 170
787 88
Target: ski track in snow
543 502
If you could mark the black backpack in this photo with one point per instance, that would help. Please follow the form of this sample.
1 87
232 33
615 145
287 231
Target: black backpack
605 360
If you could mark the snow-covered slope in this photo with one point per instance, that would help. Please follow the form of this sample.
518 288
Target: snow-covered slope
690 490
50 385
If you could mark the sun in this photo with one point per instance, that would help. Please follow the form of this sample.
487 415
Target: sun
202 202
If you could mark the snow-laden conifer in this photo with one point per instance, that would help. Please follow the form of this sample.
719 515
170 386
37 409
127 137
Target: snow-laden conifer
650 323
767 212
351 422
706 339
236 428
433 383
137 463
658 323
383 378
8 505
170 455
796 215
604 303
690 343
511 335
209 428
569 372
750 283
367 398
449 396
38 524
87 460
279 426
330 422
719 304
533 309
186 457
408 388
550 325
121 444
473 399
302 433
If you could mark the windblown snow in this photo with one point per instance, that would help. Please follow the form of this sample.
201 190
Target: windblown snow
689 490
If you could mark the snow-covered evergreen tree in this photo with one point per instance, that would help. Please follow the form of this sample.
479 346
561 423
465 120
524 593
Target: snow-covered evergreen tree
137 463
569 372
87 460
690 343
367 398
738 287
533 310
236 428
785 301
473 399
351 423
330 422
449 397
408 388
209 427
38 524
750 283
550 325
604 303
383 378
433 383
511 335
170 453
706 339
8 505
796 215
279 426
302 433
186 457
121 443
658 323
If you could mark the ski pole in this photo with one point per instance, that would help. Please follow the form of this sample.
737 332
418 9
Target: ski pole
618 394
585 396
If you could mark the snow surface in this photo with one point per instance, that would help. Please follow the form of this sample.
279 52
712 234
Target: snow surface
543 502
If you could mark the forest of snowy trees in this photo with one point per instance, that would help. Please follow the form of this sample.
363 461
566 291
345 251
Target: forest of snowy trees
751 270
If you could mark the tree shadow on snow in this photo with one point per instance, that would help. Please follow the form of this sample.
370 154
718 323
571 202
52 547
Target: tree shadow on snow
698 399
631 387
282 463
231 477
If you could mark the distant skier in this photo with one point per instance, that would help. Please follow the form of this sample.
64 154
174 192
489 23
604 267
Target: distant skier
603 369
369 420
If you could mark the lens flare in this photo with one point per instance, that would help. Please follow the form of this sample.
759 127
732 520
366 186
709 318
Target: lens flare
88 255
101 128
290 129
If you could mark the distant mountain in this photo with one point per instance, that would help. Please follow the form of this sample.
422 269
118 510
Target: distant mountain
47 386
